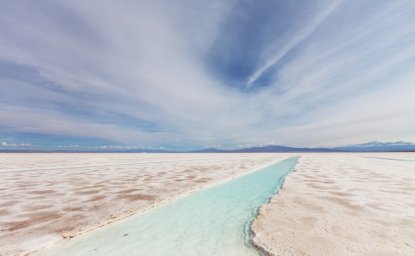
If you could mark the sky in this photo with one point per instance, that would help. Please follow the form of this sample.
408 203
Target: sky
192 73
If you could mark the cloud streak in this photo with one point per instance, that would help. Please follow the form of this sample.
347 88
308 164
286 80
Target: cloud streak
192 74
294 40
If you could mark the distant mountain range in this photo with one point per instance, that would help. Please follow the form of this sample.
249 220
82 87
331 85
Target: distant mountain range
264 149
376 146
373 146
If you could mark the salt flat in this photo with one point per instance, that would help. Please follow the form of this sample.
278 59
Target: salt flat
334 204
342 204
44 197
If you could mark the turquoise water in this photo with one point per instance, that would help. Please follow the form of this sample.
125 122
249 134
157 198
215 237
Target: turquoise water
212 221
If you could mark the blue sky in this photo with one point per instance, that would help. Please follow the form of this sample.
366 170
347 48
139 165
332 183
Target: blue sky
188 74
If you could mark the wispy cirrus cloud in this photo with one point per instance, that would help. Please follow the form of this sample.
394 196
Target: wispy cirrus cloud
193 73
293 40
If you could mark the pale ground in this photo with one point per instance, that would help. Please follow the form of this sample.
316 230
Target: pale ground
334 204
342 204
44 197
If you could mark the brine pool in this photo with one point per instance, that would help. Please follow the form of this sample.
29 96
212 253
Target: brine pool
212 221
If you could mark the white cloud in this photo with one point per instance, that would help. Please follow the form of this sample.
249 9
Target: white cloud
7 144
